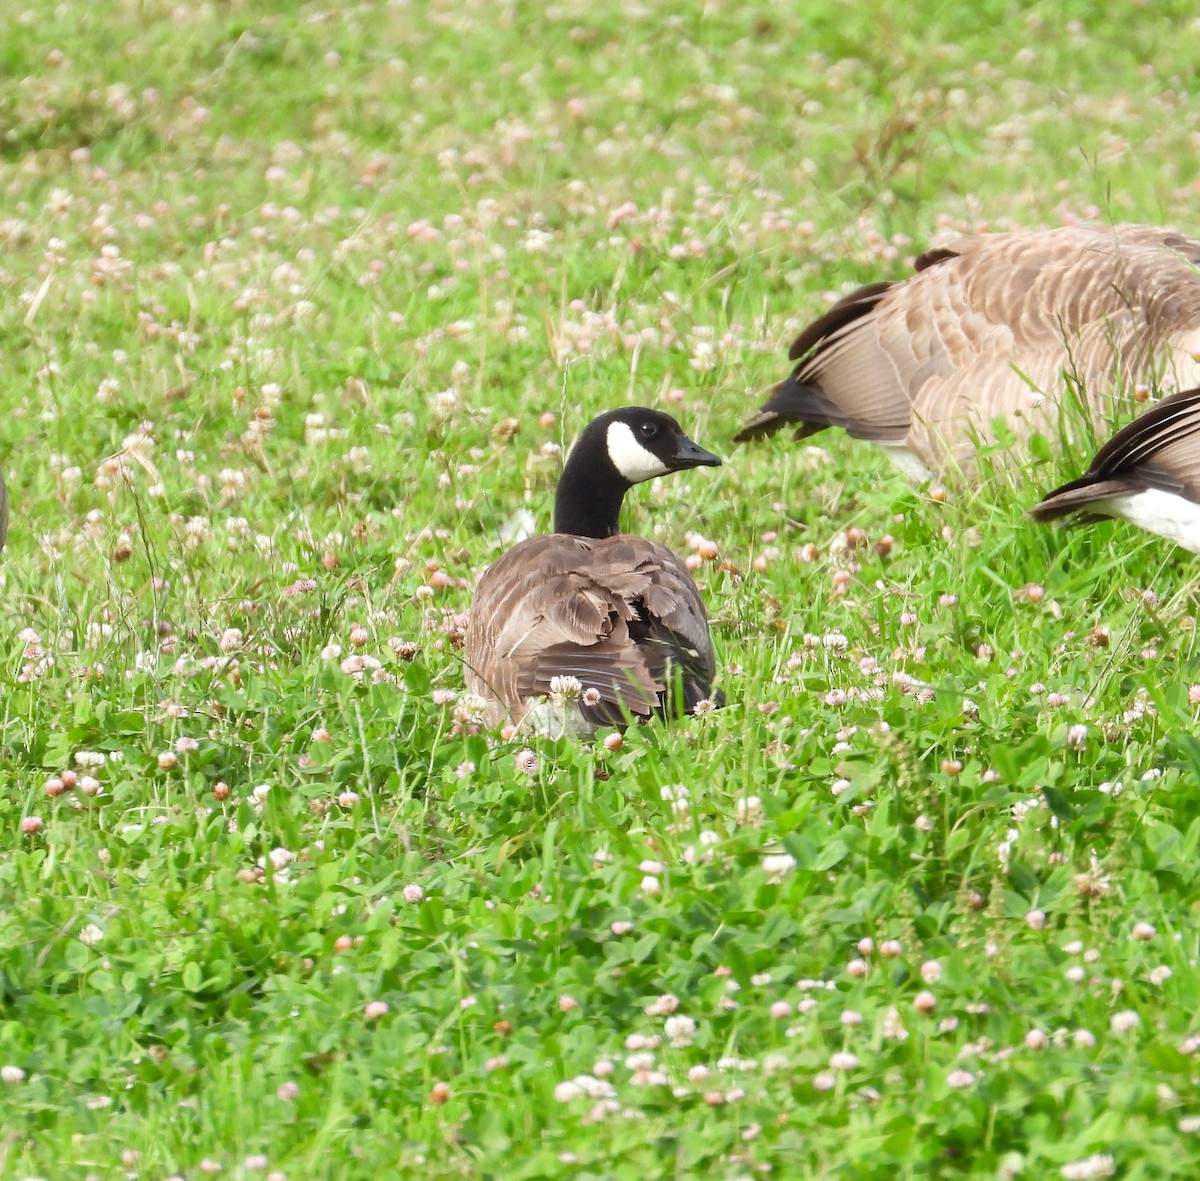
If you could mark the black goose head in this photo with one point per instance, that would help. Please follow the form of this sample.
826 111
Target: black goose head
617 450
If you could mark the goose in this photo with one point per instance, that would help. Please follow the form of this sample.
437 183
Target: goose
987 327
1148 473
605 624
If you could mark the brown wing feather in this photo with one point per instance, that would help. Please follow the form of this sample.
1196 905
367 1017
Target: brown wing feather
859 303
616 613
930 361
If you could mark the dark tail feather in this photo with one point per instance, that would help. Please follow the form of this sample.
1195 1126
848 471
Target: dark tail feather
685 690
685 673
932 257
1078 497
695 692
793 403
855 306
609 713
1126 463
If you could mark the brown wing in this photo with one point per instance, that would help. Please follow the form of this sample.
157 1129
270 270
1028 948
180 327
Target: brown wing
985 324
1160 449
1107 307
837 350
617 614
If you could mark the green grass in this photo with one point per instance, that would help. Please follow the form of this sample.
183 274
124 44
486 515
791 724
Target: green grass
285 293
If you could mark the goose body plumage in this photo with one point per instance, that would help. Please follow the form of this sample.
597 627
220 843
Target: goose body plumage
588 626
992 326
616 613
1148 473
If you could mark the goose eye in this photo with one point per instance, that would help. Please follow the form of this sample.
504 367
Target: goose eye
648 430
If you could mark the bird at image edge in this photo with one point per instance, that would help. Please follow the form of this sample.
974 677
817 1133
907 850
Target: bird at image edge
1148 473
992 326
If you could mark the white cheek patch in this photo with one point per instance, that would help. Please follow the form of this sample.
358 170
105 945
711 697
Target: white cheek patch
630 458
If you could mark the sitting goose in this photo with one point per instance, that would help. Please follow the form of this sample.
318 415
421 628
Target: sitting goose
1148 473
923 365
604 623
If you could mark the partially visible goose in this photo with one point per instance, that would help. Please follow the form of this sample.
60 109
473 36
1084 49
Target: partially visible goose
619 614
1148 473
923 365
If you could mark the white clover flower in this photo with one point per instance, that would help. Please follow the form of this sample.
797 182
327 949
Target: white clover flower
564 689
680 1030
893 1026
642 1041
358 664
777 866
1090 1168
748 810
594 1088
567 1090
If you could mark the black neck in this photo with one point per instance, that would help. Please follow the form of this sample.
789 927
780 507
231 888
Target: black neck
588 501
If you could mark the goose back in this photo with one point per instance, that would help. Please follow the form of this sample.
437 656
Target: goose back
617 613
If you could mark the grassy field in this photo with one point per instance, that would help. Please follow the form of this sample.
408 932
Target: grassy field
299 304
